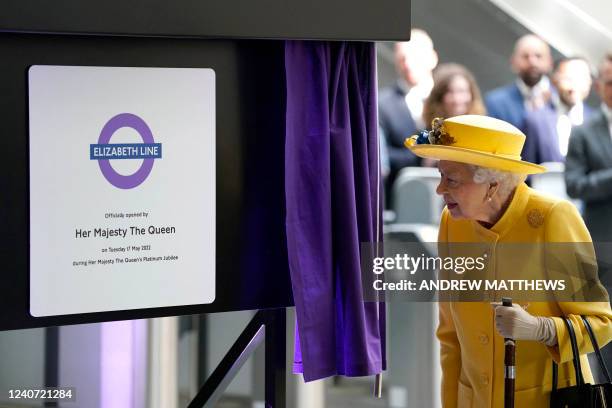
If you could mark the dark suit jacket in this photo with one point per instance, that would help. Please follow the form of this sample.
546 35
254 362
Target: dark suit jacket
397 123
506 103
542 143
588 174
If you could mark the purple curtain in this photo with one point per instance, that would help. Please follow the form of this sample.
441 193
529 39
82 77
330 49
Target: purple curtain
332 187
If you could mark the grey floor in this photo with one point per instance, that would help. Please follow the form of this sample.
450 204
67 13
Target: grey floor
339 394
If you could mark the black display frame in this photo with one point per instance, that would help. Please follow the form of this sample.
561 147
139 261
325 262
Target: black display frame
360 20
251 265
243 42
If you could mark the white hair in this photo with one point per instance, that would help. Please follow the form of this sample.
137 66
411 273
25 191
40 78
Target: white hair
507 180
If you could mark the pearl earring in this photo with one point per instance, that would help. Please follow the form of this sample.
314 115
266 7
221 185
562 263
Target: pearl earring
489 199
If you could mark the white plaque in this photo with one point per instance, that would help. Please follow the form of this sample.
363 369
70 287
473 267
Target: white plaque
122 188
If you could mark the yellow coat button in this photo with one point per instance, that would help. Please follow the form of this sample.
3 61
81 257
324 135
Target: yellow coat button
484 339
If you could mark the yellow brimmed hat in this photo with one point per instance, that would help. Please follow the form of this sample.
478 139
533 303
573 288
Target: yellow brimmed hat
474 139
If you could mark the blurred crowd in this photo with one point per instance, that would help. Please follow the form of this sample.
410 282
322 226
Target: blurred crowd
546 101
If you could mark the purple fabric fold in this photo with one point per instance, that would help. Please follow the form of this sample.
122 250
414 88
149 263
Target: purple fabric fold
333 192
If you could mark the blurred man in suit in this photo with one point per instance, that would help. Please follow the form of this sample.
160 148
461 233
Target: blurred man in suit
588 165
401 105
588 176
548 129
531 61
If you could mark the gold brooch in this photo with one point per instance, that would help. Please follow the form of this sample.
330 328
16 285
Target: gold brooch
535 218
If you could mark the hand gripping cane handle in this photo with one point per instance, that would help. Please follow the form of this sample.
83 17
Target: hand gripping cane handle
509 365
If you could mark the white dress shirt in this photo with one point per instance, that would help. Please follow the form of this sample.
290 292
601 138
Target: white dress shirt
415 100
567 118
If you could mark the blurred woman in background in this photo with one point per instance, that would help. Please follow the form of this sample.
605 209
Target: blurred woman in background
455 92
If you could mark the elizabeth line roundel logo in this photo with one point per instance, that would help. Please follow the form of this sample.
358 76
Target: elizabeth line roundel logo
104 151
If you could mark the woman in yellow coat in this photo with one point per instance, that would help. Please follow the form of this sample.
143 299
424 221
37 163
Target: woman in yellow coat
487 201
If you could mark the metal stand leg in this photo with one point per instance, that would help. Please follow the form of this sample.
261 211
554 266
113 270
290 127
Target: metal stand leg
276 371
51 361
268 325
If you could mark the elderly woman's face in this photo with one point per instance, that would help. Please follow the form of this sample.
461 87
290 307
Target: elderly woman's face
464 198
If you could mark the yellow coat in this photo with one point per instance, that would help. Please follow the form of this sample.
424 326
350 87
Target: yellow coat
472 352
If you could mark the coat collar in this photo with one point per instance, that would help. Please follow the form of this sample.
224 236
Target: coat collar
607 112
514 212
601 131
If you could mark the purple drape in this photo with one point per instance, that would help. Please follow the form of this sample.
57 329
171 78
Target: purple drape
332 188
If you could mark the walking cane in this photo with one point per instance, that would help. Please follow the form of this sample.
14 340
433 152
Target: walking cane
509 367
